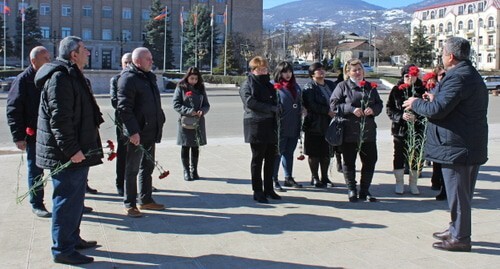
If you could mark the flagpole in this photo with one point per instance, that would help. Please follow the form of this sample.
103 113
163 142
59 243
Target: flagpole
196 37
212 42
225 42
182 37
165 41
22 36
4 35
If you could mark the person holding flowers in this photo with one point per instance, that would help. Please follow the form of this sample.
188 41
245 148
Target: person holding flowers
406 127
190 100
260 127
290 120
359 102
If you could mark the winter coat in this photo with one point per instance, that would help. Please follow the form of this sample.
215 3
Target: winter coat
348 96
139 104
260 107
22 105
394 107
457 132
69 117
290 112
317 119
185 105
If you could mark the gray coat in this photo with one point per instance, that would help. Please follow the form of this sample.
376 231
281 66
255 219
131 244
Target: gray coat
185 106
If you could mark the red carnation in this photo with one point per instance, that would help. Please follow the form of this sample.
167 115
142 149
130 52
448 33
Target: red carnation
30 131
413 71
429 75
430 85
403 86
374 85
164 174
189 93
277 86
111 146
111 156
362 83
301 157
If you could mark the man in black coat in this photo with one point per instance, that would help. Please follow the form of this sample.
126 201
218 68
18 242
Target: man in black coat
22 115
68 143
139 110
457 137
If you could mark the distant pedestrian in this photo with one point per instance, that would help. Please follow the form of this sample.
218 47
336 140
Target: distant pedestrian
457 137
190 100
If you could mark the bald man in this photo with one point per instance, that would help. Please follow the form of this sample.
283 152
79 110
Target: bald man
22 115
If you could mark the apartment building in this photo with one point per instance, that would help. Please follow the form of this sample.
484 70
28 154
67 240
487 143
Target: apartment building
113 27
474 20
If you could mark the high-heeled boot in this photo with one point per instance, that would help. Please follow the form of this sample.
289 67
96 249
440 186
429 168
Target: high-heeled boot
325 164
195 153
413 182
185 163
350 182
442 194
314 166
338 157
364 187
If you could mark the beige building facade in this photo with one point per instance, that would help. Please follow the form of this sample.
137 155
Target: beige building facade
110 28
474 20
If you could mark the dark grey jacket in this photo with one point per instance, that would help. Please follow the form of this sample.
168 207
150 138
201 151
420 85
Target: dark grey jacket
457 131
348 96
291 112
139 104
317 119
69 117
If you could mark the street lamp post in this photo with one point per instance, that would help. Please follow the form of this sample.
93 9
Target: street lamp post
54 39
122 41
200 51
246 52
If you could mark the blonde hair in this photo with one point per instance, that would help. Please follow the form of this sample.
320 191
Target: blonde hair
349 64
257 62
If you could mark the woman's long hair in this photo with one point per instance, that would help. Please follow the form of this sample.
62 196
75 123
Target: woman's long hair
192 71
282 68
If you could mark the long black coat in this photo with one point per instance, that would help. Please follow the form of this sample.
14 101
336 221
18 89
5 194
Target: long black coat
139 104
22 105
185 106
348 96
69 117
317 119
457 132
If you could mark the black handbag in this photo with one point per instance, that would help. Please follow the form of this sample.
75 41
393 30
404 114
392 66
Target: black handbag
335 132
189 122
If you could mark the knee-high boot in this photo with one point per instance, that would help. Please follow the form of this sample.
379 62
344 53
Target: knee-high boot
325 164
350 182
185 163
338 157
364 187
413 182
195 153
314 166
400 181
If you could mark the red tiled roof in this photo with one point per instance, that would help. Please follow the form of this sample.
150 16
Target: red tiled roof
351 45
496 3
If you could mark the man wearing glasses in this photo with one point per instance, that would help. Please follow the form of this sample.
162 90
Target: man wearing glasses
68 129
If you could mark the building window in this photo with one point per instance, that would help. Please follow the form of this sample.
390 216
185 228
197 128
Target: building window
45 31
449 27
126 35
145 14
490 40
221 1
126 13
440 28
479 56
65 31
442 12
433 15
470 9
219 18
470 25
87 11
461 10
490 58
480 23
424 15
87 34
66 10
425 29
433 29
440 43
491 22
107 34
480 40
107 12
460 25
44 9
480 7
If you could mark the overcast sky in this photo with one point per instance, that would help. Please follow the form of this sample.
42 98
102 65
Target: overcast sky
382 3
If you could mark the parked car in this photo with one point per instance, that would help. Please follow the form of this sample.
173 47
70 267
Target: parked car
367 68
5 83
492 82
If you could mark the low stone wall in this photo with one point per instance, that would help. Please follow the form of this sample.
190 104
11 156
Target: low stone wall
100 79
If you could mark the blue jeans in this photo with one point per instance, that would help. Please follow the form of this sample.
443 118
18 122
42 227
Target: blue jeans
67 200
138 165
287 147
35 174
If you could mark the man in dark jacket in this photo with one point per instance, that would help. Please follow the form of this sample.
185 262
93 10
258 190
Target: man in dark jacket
457 137
68 143
121 149
22 115
139 109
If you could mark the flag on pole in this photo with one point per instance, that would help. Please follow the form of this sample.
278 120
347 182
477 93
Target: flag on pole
195 16
162 15
225 16
23 14
181 17
212 17
4 9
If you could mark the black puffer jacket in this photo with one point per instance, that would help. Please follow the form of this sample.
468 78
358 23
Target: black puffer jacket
394 107
22 105
348 96
139 104
69 117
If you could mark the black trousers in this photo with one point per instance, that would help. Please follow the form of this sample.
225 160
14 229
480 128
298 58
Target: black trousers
368 155
121 158
263 153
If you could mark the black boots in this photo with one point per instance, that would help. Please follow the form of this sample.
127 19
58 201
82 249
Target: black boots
325 164
190 171
365 182
442 194
260 197
195 153
277 185
290 182
350 182
187 174
314 166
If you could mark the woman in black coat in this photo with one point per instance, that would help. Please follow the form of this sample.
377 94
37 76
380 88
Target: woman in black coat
316 97
260 127
359 102
408 86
